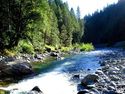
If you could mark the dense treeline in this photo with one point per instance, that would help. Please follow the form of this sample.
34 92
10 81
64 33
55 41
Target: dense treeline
36 23
107 26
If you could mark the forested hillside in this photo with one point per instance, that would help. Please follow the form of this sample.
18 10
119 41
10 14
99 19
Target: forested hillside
106 26
32 24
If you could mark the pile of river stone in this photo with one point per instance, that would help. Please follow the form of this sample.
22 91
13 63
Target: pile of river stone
110 79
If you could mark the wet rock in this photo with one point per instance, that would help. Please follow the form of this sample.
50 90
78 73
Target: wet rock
123 70
76 76
99 72
112 88
35 90
90 86
83 92
88 69
95 91
109 92
114 78
90 79
112 83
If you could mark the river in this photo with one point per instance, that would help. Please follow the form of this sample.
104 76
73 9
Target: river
59 79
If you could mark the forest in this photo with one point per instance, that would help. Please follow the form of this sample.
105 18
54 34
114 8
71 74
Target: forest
106 26
30 25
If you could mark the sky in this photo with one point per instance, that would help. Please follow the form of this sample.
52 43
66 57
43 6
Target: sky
89 6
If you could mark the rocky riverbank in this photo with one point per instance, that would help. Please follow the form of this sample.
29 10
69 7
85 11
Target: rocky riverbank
17 67
110 79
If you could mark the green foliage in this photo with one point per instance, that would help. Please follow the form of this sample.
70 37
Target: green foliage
25 46
66 49
9 52
52 48
41 22
86 47
106 26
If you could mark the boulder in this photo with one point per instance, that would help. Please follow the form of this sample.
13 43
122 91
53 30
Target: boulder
22 68
16 70
35 90
90 79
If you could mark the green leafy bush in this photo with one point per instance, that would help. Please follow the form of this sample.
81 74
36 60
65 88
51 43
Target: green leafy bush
86 47
25 46
66 49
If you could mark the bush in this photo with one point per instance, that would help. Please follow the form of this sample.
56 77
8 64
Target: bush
86 47
25 46
9 52
66 49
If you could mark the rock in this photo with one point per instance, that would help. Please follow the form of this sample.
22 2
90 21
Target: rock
9 59
90 79
3 65
83 92
38 56
76 76
90 86
111 88
54 54
123 70
114 78
95 91
88 69
22 68
99 72
35 90
16 70
109 92
112 83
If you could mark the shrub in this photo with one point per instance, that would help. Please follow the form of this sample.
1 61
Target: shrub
25 46
86 47
9 52
66 49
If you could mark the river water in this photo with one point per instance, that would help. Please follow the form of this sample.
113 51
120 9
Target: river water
59 79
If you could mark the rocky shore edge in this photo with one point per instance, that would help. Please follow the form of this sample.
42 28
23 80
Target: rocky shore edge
109 79
21 65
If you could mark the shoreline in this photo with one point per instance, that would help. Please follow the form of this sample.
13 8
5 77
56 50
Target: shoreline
15 68
109 79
